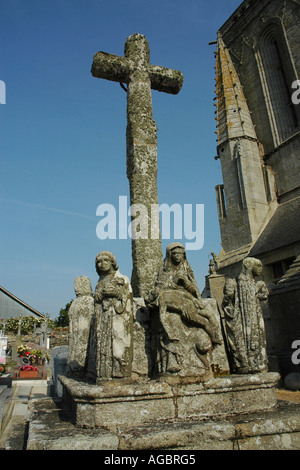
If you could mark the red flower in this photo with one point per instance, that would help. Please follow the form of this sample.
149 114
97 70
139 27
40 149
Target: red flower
28 368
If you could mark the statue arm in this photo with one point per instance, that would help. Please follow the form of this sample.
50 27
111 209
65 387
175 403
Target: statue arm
262 290
181 279
98 295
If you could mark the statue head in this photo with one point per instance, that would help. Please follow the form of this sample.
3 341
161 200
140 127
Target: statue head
175 253
82 286
106 263
252 266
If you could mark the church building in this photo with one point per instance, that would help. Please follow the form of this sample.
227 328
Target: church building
258 134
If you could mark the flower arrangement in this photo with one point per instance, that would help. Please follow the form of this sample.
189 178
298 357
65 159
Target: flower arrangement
28 368
24 350
28 371
33 355
2 369
37 354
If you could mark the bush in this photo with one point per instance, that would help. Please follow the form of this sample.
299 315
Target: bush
27 324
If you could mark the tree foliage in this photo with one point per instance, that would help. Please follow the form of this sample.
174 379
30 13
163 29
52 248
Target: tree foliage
63 317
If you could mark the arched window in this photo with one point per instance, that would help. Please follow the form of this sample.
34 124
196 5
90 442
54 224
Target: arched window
277 75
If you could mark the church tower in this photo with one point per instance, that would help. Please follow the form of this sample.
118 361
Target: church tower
243 198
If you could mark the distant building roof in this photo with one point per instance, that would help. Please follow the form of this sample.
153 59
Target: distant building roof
12 306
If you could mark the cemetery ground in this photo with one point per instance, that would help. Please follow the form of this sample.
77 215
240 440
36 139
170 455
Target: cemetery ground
16 393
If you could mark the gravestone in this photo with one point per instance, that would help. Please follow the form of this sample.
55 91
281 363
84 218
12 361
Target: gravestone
18 341
59 366
3 348
43 332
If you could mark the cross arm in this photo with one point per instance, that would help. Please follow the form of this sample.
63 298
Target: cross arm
111 67
165 79
118 69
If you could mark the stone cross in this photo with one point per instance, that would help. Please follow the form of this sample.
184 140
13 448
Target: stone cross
135 70
19 326
44 331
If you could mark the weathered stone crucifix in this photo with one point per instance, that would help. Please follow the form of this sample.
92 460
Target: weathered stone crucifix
135 70
44 332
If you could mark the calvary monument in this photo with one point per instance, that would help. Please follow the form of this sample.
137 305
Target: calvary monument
159 366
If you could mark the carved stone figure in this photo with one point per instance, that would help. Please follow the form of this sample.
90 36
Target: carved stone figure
111 348
244 321
80 316
187 329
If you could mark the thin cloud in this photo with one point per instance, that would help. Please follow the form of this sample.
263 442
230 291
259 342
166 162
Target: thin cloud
46 208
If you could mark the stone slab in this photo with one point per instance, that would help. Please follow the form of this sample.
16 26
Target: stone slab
50 428
124 403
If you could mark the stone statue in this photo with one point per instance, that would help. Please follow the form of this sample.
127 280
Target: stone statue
80 316
187 330
111 349
244 321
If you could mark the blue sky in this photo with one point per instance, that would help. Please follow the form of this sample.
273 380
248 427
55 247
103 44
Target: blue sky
63 134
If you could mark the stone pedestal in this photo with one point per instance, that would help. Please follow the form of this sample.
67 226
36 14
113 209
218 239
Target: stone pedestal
121 403
279 429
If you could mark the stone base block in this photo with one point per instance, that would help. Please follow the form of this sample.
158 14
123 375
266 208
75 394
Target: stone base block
123 403
51 429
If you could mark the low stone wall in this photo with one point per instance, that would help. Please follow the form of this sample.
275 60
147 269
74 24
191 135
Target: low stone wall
59 337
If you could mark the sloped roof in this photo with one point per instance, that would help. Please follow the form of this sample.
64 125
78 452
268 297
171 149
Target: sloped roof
290 280
233 115
283 228
12 306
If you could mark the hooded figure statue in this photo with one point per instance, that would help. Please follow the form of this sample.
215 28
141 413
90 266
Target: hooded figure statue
245 328
81 313
187 329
